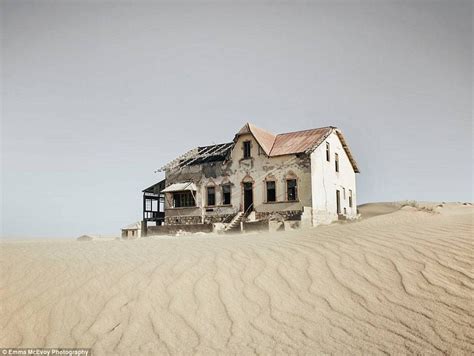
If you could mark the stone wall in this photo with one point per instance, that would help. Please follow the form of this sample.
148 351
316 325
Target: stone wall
222 218
285 215
182 220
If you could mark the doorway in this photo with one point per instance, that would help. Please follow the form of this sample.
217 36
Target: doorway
248 197
338 202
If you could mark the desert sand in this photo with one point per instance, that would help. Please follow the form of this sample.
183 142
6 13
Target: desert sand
400 281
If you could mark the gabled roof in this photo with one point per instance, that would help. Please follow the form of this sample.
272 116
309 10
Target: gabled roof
296 142
299 141
264 138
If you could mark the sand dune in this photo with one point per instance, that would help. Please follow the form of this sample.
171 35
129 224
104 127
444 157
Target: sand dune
398 283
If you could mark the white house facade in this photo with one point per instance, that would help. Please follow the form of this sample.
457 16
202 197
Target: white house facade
307 176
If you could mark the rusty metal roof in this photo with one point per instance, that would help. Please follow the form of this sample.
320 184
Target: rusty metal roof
298 142
294 142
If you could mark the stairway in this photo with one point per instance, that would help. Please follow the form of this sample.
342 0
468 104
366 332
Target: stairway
235 222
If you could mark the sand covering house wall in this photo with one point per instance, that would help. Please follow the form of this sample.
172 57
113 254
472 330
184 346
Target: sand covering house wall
316 178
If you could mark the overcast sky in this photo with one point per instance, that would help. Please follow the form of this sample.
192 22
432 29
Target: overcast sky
97 95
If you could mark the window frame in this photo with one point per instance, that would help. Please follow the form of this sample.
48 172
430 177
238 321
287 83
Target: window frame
185 197
208 194
328 152
350 198
247 144
288 180
274 191
336 162
223 194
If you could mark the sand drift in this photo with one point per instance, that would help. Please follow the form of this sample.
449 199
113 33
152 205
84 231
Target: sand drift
396 283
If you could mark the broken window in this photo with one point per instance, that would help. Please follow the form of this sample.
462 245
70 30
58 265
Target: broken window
328 152
336 162
350 198
226 194
246 149
271 191
211 196
291 189
183 199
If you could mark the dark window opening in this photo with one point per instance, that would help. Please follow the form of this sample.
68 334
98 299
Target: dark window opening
246 149
338 202
271 191
328 152
291 188
226 194
350 198
183 199
211 196
336 156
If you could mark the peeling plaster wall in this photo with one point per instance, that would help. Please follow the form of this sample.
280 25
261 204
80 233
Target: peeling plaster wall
234 172
316 178
325 181
259 168
202 175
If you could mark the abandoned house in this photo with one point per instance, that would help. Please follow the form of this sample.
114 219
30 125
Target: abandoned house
307 176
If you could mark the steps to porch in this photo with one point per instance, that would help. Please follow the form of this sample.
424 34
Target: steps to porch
234 225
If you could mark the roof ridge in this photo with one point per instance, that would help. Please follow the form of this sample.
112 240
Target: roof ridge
316 128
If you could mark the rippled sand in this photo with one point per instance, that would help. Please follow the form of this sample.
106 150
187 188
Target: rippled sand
396 283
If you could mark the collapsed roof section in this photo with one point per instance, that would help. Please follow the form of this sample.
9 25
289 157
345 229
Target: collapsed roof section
200 155
289 143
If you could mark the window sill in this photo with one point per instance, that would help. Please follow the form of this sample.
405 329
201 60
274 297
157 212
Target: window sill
281 202
182 207
218 206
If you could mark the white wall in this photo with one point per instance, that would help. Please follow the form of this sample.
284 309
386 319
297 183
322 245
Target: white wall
325 181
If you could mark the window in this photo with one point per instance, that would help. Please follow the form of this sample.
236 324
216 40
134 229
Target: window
336 162
291 189
211 196
226 194
350 198
183 199
328 152
246 149
271 191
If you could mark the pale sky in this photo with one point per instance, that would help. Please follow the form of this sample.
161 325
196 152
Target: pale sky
98 94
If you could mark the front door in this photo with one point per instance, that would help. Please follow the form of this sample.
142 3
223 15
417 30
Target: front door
248 197
338 201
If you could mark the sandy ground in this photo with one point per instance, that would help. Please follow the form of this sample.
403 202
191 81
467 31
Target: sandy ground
397 283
